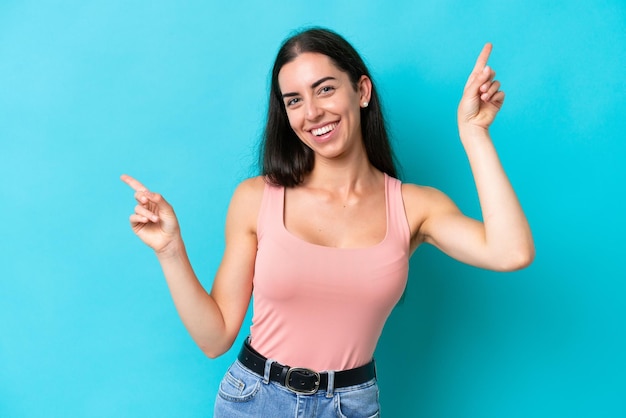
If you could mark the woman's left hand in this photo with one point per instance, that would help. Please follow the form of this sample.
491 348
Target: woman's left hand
482 98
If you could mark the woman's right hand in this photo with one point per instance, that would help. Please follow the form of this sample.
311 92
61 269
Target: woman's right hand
154 220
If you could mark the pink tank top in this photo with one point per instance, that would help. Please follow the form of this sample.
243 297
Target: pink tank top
320 307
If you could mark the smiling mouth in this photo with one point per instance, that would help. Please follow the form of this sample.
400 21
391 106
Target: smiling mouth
324 129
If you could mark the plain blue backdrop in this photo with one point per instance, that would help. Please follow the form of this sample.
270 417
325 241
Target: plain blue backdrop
174 93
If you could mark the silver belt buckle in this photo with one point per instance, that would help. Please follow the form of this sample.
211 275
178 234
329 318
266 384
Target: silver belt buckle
305 372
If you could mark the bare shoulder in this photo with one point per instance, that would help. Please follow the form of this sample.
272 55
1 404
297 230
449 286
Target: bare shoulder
420 204
251 188
423 197
246 202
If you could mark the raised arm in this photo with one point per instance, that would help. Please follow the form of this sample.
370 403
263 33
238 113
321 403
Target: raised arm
212 319
502 241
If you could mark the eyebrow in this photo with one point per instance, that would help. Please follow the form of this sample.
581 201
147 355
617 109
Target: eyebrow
314 85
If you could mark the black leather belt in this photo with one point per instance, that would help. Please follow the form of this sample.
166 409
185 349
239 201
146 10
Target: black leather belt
304 381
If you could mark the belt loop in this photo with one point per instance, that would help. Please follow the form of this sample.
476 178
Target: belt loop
268 370
330 391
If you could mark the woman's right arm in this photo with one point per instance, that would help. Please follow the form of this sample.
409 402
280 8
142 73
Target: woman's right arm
213 319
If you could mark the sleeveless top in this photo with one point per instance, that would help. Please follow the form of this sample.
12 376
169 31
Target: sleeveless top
320 307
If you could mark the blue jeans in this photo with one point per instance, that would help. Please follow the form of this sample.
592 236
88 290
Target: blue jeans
243 393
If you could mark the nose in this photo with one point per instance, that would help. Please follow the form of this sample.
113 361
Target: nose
312 109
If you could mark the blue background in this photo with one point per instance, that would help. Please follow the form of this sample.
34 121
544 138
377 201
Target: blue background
174 93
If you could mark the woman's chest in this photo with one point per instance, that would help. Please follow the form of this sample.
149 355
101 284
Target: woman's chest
335 223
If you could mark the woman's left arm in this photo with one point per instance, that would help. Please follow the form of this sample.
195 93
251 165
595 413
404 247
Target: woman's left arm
503 240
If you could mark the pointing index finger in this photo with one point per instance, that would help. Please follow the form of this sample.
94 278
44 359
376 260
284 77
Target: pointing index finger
481 62
134 184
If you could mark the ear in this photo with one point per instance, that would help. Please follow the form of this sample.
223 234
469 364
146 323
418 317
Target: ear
365 90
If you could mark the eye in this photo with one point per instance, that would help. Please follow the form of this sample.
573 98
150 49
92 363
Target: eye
292 102
326 90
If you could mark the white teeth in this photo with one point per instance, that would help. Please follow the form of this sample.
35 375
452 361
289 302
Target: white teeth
324 129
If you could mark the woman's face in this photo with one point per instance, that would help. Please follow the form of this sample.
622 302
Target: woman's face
322 104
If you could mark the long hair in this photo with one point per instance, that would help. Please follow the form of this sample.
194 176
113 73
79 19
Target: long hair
286 160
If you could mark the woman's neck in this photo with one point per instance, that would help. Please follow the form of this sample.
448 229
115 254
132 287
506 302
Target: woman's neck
343 177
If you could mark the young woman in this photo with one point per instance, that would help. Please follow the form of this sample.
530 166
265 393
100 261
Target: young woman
323 237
